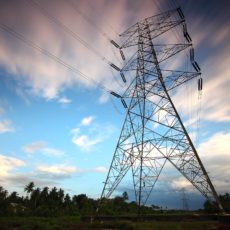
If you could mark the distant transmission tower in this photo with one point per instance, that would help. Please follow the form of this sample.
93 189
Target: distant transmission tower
185 206
153 131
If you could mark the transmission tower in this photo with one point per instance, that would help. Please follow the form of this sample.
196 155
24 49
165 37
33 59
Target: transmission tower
185 206
153 132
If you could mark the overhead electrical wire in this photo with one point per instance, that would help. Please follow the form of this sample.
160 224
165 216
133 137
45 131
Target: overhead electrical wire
196 125
68 30
87 18
108 25
30 43
76 36
72 4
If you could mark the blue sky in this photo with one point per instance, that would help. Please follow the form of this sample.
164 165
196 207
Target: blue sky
59 129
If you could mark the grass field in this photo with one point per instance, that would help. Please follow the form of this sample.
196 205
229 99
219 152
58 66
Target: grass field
39 223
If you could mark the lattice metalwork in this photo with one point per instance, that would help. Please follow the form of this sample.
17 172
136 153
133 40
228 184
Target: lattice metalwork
153 132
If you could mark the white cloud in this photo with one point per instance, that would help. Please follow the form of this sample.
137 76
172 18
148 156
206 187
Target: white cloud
46 78
57 169
8 164
40 146
87 120
104 98
43 76
216 158
64 100
93 136
216 149
6 126
33 147
53 152
84 142
215 73
180 182
101 169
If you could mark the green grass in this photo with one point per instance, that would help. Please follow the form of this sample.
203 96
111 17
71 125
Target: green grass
66 223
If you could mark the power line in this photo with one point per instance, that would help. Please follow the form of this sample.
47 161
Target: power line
109 26
72 4
50 55
67 30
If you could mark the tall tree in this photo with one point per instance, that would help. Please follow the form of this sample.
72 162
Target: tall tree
3 193
44 195
29 188
35 195
61 195
125 196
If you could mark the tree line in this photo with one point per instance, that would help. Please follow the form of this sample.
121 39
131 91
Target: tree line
55 202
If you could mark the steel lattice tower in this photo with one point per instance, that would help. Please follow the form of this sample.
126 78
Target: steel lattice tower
153 131
185 206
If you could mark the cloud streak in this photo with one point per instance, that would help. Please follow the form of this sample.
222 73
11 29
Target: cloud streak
40 147
8 164
92 136
6 126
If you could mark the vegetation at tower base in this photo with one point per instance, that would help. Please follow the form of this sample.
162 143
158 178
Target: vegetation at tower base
54 202
52 208
211 207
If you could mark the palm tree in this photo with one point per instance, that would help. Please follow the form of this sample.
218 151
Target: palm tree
67 200
3 193
53 197
61 195
29 188
13 197
35 195
44 195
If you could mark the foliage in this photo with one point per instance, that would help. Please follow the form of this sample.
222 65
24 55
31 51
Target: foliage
54 202
51 223
211 207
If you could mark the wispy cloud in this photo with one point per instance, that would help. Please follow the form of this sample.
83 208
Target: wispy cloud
43 76
215 72
6 126
56 170
64 100
180 183
33 147
53 152
40 146
216 157
8 164
84 142
87 120
100 169
95 134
